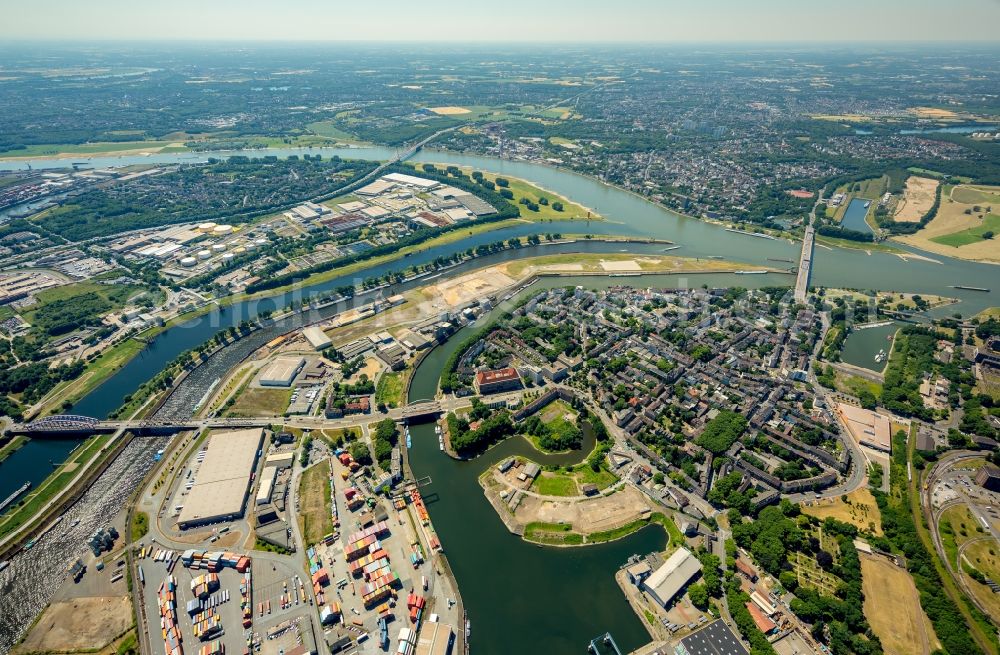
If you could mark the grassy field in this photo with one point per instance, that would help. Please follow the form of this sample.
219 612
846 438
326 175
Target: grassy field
984 556
314 498
859 510
97 148
553 534
609 262
853 384
390 388
115 295
957 228
329 130
957 526
972 234
976 195
257 401
553 484
524 189
140 526
892 607
603 478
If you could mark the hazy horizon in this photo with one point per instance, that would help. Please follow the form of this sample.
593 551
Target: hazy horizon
515 21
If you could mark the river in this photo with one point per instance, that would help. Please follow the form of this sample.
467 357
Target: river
522 597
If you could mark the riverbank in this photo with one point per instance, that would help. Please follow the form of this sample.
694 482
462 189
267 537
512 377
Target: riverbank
11 446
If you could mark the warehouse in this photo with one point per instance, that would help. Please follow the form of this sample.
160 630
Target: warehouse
222 483
715 638
668 580
435 639
281 372
316 337
266 485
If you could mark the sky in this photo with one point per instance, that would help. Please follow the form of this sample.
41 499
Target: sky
536 21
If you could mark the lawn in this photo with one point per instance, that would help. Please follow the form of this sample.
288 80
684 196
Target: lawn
555 484
314 502
390 389
258 401
971 235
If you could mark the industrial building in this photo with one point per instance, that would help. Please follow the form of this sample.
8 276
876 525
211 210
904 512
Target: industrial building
281 372
434 639
222 483
503 379
316 337
988 477
266 485
716 638
668 580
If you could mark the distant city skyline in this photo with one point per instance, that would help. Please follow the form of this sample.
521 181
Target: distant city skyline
666 21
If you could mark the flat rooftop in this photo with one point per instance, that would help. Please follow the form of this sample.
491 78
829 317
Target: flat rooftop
867 427
716 638
281 371
223 479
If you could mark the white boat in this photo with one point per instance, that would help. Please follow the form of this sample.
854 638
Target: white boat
440 443
437 429
868 204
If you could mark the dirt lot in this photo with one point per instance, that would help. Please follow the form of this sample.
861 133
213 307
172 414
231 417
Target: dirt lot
860 510
951 218
78 624
469 287
450 111
893 608
586 516
933 112
917 200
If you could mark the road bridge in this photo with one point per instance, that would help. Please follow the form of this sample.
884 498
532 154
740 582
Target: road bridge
805 264
61 425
